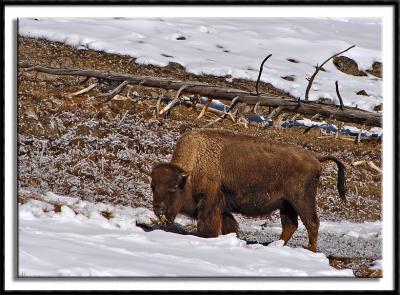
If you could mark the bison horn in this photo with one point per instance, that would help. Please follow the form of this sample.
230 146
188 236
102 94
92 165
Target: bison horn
182 179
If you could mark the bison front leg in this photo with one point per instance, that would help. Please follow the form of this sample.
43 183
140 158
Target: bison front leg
229 224
209 220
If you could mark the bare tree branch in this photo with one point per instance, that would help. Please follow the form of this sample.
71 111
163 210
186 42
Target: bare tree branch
90 87
174 101
233 102
259 73
117 89
274 113
318 68
204 109
256 107
338 94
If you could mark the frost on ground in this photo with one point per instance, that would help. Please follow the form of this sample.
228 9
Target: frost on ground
209 46
80 239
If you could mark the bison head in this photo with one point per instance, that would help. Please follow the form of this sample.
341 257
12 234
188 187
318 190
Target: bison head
167 184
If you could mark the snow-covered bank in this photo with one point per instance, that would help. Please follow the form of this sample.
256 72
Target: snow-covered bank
236 47
80 241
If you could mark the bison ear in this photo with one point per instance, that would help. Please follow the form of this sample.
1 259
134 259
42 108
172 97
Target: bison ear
182 179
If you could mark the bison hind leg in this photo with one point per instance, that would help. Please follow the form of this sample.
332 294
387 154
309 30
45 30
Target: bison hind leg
308 215
229 224
289 220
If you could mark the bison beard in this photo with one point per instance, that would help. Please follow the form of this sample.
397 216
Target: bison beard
214 173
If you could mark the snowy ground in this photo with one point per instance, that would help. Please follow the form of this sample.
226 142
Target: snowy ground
236 47
81 238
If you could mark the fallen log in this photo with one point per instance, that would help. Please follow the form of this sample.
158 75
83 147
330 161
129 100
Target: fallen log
286 104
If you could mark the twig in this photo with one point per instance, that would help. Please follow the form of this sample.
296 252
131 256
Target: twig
243 121
174 101
373 166
117 89
318 68
123 118
233 102
338 130
275 112
278 121
90 87
256 107
42 152
259 73
204 109
338 94
358 138
369 163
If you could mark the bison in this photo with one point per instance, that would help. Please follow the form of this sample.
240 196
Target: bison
214 173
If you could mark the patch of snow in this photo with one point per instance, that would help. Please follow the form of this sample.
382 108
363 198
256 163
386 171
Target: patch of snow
377 264
80 241
210 46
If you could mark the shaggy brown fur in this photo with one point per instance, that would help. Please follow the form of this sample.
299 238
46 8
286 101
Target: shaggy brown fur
214 173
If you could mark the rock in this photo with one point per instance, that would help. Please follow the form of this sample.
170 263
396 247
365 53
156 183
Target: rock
362 92
347 65
376 69
292 60
289 78
378 108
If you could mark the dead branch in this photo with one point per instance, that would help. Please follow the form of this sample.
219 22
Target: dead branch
117 89
338 130
119 97
204 109
225 112
278 121
358 138
338 95
256 108
318 68
274 113
373 166
243 121
259 73
87 89
174 101
369 163
348 114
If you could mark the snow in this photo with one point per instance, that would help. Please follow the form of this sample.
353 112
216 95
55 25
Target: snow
377 264
80 241
236 47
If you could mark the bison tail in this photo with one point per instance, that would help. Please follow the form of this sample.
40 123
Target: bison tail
341 184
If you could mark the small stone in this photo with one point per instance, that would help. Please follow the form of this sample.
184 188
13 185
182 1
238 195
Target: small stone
378 108
289 78
362 92
376 69
347 66
292 60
